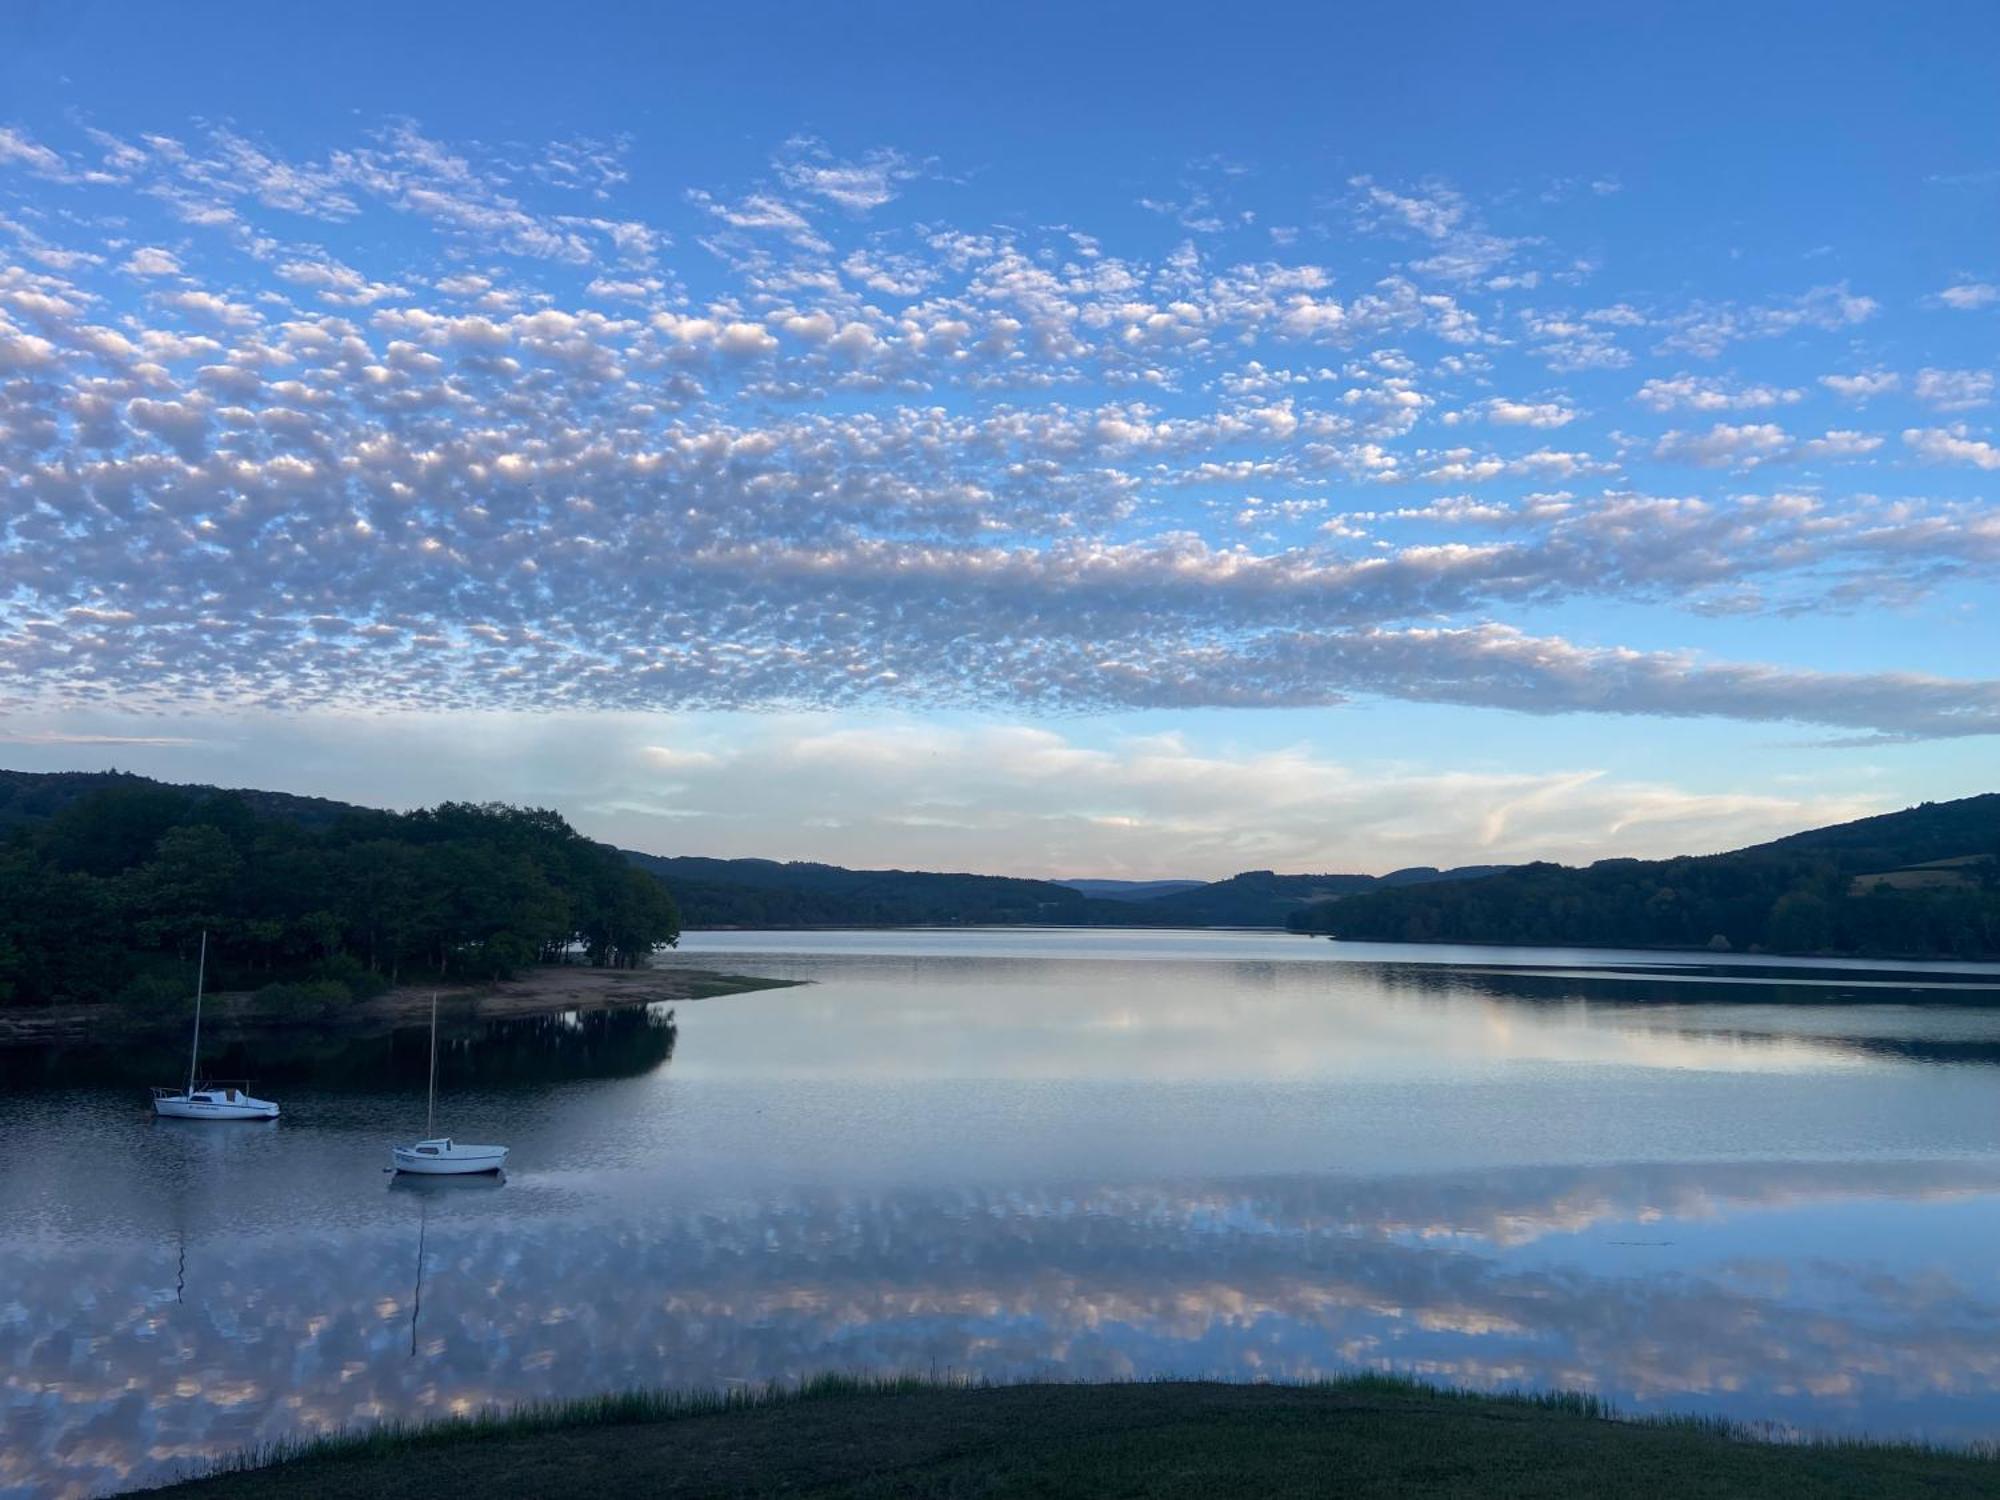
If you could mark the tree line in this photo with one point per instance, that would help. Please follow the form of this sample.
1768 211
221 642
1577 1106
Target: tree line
107 899
1833 891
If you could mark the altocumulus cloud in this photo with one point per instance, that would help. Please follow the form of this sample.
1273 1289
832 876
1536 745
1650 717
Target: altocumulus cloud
777 448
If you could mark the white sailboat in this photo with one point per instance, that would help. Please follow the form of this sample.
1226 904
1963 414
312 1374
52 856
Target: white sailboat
441 1156
213 1099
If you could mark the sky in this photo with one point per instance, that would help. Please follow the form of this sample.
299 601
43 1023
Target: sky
1139 441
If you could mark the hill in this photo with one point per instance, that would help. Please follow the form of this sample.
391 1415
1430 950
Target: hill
1921 883
1263 898
766 893
111 886
30 797
1131 890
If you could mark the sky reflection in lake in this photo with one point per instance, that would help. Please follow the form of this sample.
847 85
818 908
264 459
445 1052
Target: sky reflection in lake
1052 1160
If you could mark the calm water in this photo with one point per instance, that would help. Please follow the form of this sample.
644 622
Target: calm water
1768 1190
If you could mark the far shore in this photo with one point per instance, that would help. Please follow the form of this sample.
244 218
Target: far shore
1832 957
549 990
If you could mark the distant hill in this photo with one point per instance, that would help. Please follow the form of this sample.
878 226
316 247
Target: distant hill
1920 883
1916 835
1131 890
1262 898
765 893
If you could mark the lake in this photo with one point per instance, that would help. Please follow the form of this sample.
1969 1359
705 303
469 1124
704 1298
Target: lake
1761 1188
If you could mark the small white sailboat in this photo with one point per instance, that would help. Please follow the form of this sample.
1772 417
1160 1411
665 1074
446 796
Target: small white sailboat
441 1156
210 1099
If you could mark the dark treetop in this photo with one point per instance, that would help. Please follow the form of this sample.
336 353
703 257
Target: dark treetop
107 883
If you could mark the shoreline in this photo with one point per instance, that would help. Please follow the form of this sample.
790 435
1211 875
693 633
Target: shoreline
1759 957
548 990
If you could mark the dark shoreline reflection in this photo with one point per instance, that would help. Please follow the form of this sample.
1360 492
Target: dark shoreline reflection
624 1042
1826 1296
1655 1002
1682 985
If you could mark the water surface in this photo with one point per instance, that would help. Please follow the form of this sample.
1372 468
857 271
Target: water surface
1764 1189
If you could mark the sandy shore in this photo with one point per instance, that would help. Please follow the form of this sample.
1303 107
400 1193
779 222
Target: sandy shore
566 987
539 992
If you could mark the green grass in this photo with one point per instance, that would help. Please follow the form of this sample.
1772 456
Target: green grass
1368 1435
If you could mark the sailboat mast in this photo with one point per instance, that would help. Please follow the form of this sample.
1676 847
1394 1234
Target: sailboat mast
200 978
430 1107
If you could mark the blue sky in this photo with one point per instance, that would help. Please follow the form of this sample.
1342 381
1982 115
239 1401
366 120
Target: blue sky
1150 440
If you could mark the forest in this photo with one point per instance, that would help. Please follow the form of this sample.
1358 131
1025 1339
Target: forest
1922 883
765 893
106 891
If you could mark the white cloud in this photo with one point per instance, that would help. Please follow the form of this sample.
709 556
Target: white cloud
1708 330
1746 447
1505 413
1725 445
1968 295
1569 341
17 150
1462 249
150 260
583 165
857 186
1862 386
1706 393
1952 445
1840 442
762 211
1954 390
1432 211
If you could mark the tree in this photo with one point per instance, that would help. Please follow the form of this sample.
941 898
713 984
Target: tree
1801 922
116 888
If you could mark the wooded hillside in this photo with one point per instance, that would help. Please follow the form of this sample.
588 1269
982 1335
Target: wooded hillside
106 886
1922 883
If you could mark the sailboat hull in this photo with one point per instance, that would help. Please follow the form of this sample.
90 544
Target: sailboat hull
447 1159
199 1106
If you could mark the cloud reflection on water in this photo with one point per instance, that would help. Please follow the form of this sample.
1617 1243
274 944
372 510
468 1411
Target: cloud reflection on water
1822 1295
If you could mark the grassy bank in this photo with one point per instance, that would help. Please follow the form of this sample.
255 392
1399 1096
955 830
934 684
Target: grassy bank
843 1437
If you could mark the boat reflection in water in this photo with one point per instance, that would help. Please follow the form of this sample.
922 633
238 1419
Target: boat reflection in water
432 1188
